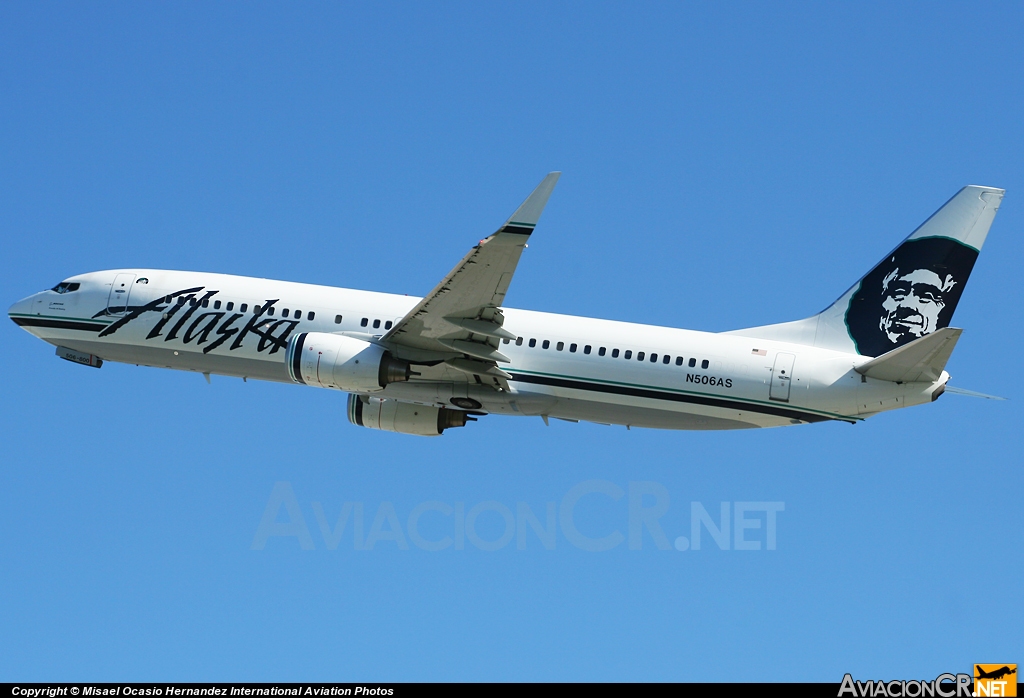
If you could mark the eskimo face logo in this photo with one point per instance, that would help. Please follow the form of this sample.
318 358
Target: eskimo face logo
912 301
912 293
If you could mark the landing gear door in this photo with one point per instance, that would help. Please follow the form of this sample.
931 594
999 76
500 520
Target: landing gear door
120 290
782 377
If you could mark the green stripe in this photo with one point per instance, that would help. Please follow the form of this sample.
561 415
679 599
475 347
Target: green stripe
942 237
63 317
687 392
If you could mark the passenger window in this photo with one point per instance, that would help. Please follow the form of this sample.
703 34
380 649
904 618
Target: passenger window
654 358
242 308
505 341
257 310
285 312
297 315
615 353
310 315
600 352
666 359
704 363
231 305
387 325
679 361
364 322
337 319
192 302
206 302
560 346
572 348
216 305
693 362
519 341
181 300
639 356
628 354
586 349
533 342
272 310
376 324
545 345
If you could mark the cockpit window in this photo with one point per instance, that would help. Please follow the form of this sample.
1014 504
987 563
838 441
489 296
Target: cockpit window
66 287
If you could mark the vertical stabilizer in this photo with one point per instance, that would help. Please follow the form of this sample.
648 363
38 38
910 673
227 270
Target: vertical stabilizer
911 293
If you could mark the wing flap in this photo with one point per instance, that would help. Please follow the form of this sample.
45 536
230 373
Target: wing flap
484 327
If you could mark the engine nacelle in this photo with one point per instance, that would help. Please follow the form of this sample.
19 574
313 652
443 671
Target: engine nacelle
403 417
335 361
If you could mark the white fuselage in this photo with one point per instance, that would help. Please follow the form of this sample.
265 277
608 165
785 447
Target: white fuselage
565 367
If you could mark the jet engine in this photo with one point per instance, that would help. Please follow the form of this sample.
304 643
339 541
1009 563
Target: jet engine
335 361
403 417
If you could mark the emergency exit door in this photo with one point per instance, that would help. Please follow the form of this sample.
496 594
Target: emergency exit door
782 377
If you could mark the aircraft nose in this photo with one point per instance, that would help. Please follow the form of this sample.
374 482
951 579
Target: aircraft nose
20 309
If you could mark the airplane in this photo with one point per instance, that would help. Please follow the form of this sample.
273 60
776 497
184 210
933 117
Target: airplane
423 365
995 674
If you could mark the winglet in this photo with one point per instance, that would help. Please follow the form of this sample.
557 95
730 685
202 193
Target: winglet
524 220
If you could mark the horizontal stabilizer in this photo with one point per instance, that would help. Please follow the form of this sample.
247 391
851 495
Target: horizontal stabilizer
921 360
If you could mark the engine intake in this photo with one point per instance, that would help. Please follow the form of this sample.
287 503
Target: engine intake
342 363
403 417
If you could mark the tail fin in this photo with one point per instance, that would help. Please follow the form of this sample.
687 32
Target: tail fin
911 293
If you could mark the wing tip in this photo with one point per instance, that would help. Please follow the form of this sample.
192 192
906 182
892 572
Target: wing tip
528 213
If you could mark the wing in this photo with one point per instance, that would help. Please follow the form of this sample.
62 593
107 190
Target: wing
460 320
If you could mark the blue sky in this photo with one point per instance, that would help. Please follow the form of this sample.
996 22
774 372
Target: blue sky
725 165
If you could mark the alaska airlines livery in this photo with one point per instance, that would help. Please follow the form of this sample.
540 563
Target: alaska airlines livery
423 365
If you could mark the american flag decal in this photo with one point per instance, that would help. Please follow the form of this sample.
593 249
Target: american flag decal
759 352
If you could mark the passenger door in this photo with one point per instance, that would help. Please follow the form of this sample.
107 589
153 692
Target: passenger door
120 290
